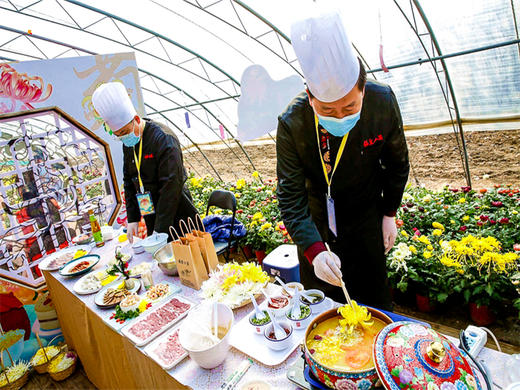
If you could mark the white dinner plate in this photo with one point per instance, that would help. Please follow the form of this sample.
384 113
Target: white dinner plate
77 286
101 293
44 264
92 260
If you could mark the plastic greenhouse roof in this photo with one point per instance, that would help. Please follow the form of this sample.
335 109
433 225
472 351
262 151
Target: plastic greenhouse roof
191 53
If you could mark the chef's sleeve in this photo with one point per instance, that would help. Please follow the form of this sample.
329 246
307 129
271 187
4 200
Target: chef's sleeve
292 196
170 181
394 160
132 208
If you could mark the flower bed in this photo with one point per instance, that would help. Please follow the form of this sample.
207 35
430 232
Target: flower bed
459 246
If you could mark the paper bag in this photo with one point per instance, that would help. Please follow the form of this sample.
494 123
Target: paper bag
190 264
206 245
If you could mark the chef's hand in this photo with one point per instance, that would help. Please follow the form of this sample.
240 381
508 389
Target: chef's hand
389 233
327 268
131 231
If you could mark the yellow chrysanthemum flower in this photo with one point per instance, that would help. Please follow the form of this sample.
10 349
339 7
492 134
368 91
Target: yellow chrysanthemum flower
437 232
413 249
404 234
240 184
437 225
354 315
465 218
255 175
427 254
462 200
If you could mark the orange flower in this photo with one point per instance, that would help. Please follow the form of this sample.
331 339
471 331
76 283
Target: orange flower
445 207
399 223
483 190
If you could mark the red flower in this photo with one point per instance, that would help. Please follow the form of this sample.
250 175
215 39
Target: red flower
511 195
516 247
484 218
492 221
285 240
479 223
454 189
497 204
240 211
504 221
126 265
477 207
466 189
399 223
415 229
463 228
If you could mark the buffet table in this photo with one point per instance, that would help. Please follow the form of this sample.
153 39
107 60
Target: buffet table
110 360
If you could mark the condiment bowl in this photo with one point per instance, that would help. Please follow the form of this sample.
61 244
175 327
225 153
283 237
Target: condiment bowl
129 307
300 323
292 286
279 312
259 329
154 242
278 345
316 307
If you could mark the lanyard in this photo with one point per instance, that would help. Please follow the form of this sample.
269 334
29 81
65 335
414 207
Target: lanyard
138 164
340 153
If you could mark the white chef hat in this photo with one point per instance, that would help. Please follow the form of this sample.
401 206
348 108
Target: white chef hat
113 104
327 58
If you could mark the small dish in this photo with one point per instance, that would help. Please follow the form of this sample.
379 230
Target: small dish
79 266
319 305
278 345
278 305
131 302
259 328
300 323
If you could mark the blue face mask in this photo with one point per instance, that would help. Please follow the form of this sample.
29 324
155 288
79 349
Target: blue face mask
130 139
339 127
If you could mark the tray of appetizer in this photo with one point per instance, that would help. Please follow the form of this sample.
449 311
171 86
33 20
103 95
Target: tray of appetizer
157 320
166 350
56 260
255 337
112 294
93 282
79 266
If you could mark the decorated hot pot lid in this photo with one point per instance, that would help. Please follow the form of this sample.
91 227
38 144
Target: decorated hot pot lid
408 355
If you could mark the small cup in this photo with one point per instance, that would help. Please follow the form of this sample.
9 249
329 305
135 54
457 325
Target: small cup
316 307
301 323
258 329
279 312
130 307
292 286
278 345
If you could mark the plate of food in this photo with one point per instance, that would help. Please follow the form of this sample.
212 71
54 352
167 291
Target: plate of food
56 260
112 294
93 282
159 291
82 239
157 320
166 350
232 283
140 268
79 266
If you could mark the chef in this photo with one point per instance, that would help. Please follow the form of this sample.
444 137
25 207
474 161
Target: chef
342 165
153 169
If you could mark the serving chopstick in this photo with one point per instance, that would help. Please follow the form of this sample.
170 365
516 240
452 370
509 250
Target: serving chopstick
343 287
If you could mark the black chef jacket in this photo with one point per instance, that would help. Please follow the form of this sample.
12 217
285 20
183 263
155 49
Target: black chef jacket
369 182
163 174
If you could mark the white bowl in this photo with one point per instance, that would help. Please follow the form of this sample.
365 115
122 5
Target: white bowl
107 232
216 354
292 285
280 312
152 243
317 307
131 307
300 323
258 329
278 345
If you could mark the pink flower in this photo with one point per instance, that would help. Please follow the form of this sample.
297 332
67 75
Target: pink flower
516 247
21 87
417 233
497 204
345 384
463 228
504 221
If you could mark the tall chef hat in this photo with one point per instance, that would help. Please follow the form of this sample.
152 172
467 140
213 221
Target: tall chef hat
326 56
112 102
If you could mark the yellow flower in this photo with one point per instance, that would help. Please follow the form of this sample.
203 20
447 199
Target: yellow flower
424 240
437 225
196 182
238 195
240 183
255 175
452 221
514 212
413 249
403 233
354 315
465 218
462 200
265 226
429 247
257 216
427 254
437 232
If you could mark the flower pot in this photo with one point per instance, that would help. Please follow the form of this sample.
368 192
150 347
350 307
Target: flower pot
248 251
424 304
481 315
260 256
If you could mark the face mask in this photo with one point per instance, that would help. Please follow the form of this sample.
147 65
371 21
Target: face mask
130 139
339 127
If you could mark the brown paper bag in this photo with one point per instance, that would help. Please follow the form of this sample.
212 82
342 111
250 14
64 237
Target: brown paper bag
190 264
206 245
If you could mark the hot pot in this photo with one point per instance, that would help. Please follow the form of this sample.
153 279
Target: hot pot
407 355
